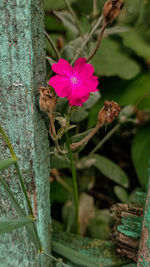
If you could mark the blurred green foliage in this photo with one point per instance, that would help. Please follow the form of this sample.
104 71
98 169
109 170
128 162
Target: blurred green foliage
122 64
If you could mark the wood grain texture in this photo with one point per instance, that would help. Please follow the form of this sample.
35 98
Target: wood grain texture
22 70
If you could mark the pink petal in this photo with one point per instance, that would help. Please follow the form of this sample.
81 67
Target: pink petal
62 68
91 84
82 68
61 85
78 101
78 96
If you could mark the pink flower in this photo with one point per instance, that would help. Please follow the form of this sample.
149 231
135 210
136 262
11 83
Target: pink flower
76 82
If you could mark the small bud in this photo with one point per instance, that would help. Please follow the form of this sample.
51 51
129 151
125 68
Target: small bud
108 112
47 100
111 10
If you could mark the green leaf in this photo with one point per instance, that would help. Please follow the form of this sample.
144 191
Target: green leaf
71 49
135 91
55 4
52 24
67 20
80 115
122 194
6 163
110 61
21 213
94 97
134 40
59 162
85 251
49 48
106 167
100 225
85 7
58 192
141 154
124 93
78 137
9 226
68 215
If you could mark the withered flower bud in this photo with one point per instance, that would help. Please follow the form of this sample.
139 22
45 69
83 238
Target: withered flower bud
111 10
108 112
47 100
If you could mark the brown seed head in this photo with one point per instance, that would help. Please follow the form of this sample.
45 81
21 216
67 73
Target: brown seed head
47 100
111 10
108 112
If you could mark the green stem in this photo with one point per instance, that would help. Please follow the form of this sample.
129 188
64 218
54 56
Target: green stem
24 189
52 45
74 17
98 43
17 169
87 39
31 227
101 143
94 8
8 143
75 186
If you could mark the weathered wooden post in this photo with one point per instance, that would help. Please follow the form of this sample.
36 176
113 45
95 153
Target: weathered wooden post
22 50
144 248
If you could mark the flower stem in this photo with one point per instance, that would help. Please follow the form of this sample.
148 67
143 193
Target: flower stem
94 8
75 186
8 143
89 35
74 146
17 169
101 143
52 44
24 189
30 228
98 42
74 17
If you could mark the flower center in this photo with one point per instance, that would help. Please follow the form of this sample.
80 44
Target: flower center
74 80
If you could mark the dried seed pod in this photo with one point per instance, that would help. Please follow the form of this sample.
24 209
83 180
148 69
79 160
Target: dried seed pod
47 100
111 10
108 112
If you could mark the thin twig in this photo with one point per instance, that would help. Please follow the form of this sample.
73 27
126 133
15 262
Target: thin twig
101 196
74 17
52 132
52 44
101 143
55 173
98 42
90 34
74 146
142 98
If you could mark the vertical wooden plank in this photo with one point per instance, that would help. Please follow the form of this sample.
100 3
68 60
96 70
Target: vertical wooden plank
22 70
144 248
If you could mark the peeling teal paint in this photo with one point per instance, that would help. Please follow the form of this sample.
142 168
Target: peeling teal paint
144 262
131 226
144 248
22 65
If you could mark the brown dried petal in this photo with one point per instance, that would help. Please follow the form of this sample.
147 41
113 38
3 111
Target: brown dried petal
47 100
111 10
108 112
